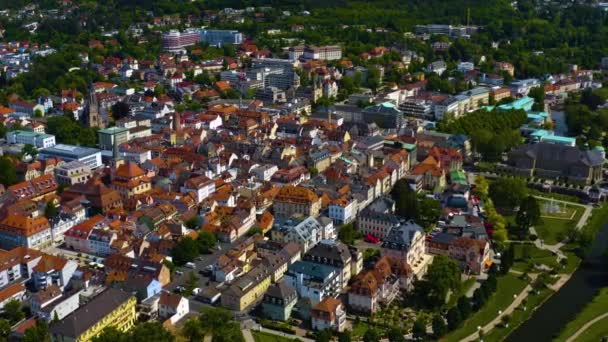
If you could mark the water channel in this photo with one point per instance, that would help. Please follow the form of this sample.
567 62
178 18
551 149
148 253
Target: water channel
563 306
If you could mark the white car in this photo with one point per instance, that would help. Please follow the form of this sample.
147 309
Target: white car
178 272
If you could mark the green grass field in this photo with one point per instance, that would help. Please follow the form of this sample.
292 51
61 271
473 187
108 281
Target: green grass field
518 316
466 285
552 230
508 285
526 255
595 332
598 306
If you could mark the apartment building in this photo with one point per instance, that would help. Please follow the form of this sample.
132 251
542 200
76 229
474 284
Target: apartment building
39 140
72 173
296 200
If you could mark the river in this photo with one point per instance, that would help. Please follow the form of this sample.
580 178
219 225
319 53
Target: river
563 306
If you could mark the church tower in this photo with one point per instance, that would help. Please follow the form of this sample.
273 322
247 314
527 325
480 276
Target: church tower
93 118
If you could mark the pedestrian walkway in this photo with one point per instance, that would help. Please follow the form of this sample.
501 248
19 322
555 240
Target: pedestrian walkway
248 336
586 326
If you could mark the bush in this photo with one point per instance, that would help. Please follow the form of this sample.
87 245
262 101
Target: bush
533 237
277 326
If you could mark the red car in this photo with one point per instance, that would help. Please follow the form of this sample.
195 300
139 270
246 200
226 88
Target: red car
371 239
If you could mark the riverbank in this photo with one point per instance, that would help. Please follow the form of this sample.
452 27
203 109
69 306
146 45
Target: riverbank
593 310
584 284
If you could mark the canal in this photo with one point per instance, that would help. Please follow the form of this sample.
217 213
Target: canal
563 306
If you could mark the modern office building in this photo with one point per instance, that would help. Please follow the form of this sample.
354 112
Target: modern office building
221 37
88 155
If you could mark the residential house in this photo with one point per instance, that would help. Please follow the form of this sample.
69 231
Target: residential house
313 281
247 290
406 242
173 307
279 301
296 200
20 230
329 314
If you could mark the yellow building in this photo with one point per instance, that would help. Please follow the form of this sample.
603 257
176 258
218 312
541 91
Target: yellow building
247 290
296 200
130 180
111 308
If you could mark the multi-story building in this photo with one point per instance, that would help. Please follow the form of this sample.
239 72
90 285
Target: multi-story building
53 270
279 301
417 107
72 173
18 230
130 180
343 210
87 155
17 264
379 285
201 186
329 314
35 189
406 242
39 140
376 224
108 136
221 37
313 281
385 115
327 53
305 232
247 290
333 254
111 308
176 41
471 254
296 200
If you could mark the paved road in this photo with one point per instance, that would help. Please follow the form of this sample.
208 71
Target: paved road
586 326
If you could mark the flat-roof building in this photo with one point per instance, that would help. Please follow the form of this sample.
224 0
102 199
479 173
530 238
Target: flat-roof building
88 155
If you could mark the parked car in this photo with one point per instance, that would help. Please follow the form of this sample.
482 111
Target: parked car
179 273
371 239
190 265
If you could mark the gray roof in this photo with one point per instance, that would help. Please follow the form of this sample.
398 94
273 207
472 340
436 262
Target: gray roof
88 315
329 252
281 290
401 237
565 154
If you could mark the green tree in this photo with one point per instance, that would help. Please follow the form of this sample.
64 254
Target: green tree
206 241
406 200
8 171
323 336
192 330
508 192
538 94
348 234
373 78
429 212
110 334
5 329
192 223
184 251
50 211
37 333
419 328
464 306
395 335
13 311
454 318
30 150
528 213
120 110
439 327
345 336
150 331
371 335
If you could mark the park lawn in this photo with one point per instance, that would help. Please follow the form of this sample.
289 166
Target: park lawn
595 332
536 255
519 316
465 286
590 311
262 336
508 285
573 259
552 230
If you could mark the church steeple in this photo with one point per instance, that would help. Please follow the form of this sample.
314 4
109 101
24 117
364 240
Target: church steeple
93 118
